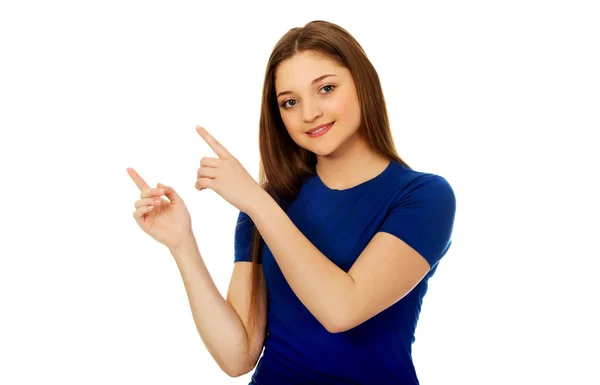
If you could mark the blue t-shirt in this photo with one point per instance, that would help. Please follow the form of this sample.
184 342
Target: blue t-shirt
416 207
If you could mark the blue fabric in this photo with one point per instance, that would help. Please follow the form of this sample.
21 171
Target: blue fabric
414 206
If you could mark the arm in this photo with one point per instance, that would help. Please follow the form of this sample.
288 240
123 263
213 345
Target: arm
218 321
384 272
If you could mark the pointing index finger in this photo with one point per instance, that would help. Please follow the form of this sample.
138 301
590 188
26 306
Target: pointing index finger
137 179
212 142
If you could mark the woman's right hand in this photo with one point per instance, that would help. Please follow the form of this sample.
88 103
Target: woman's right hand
167 221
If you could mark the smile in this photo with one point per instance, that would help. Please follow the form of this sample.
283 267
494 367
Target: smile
321 131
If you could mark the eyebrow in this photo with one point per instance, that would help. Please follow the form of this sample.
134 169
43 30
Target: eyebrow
311 83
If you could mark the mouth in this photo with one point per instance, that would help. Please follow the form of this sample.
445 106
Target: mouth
319 130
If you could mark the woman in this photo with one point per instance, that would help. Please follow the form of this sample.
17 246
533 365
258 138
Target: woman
336 243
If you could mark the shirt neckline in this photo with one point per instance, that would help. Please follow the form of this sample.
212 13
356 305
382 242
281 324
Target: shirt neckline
358 186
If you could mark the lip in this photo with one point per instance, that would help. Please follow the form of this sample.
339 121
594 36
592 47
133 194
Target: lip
324 131
321 126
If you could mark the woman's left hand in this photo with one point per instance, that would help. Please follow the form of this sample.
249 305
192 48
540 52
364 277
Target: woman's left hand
226 176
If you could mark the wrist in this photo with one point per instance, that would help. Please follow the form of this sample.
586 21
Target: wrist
186 245
260 197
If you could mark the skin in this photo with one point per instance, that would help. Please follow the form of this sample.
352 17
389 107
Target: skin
384 273
343 159
388 268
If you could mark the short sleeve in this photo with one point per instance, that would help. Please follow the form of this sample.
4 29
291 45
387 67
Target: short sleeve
423 217
243 239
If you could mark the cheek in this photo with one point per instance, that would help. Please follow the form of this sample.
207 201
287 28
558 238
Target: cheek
337 106
345 108
288 121
292 125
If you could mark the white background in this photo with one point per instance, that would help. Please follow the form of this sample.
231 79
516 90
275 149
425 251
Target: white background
500 98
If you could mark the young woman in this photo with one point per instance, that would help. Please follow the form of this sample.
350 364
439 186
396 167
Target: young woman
336 243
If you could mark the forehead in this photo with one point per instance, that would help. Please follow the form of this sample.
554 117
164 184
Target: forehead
302 68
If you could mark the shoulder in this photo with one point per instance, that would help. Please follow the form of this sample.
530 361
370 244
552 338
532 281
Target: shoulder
407 183
421 213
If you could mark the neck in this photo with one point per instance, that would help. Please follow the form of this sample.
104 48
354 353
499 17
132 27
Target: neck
350 166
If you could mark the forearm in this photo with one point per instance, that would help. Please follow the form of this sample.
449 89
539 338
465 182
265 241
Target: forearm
219 326
324 288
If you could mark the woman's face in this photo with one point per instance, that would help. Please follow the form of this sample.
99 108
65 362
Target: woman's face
307 99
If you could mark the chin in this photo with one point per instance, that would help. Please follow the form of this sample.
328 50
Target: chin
327 147
323 149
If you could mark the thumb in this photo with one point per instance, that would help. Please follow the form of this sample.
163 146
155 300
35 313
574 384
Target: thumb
170 193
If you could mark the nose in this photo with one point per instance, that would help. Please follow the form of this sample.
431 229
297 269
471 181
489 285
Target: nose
310 110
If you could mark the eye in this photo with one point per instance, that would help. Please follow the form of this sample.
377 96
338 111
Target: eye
287 106
330 87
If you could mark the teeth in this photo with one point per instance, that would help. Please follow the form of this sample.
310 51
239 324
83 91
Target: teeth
320 129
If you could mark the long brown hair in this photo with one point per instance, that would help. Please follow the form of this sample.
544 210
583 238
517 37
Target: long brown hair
283 164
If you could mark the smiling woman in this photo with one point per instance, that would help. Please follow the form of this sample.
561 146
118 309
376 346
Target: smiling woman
335 244
318 92
347 251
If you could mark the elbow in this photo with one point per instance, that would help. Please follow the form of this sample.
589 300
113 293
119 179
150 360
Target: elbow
238 368
336 325
235 374
343 320
337 328
237 371
333 329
